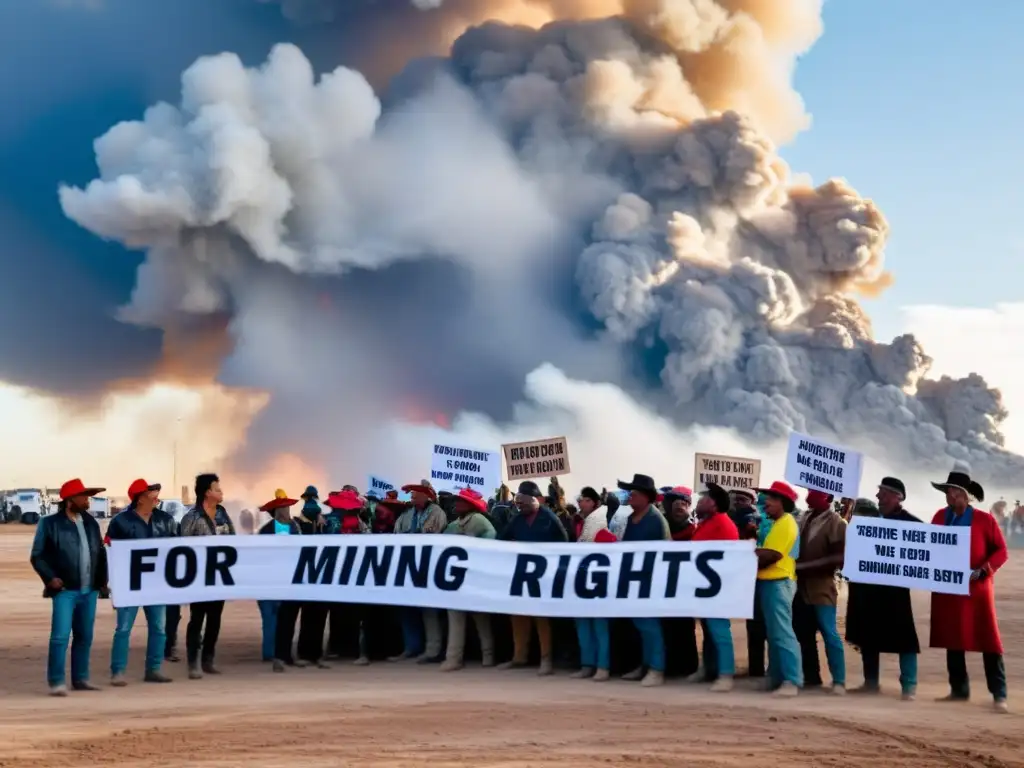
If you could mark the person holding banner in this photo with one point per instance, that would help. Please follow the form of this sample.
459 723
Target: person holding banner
593 635
278 617
822 546
967 623
776 588
141 520
206 518
471 520
422 633
880 618
646 523
535 523
345 619
715 525
69 556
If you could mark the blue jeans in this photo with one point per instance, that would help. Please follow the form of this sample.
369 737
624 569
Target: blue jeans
834 650
412 631
156 636
721 637
784 664
268 613
595 643
73 617
872 670
653 643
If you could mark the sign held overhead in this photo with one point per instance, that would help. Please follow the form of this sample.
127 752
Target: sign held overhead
537 458
730 472
814 464
453 468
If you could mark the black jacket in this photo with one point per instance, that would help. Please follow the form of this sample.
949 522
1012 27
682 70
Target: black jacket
269 528
56 550
128 525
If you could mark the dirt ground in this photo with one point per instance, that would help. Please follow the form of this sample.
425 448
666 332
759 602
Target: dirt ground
392 716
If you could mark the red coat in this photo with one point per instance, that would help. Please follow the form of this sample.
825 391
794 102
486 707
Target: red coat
962 623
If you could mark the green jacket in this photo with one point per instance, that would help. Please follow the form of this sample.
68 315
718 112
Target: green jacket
473 524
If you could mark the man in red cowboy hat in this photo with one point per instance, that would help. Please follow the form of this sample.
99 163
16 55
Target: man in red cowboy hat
278 617
535 524
141 520
968 623
206 518
421 627
776 588
822 547
387 511
69 556
646 523
470 509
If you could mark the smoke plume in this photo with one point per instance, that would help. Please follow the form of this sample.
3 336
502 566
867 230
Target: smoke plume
597 188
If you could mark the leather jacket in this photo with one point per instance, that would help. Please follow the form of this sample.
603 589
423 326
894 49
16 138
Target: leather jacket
56 552
129 525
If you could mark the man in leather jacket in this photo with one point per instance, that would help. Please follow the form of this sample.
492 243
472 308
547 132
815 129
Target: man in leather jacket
141 520
69 556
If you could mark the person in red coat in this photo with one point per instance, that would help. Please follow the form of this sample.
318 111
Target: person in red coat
967 623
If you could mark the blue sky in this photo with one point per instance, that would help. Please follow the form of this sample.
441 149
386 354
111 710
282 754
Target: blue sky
918 103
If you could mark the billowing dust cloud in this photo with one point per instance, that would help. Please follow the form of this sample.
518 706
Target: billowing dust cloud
598 188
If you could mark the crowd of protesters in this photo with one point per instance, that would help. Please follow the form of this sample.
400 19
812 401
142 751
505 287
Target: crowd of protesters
799 558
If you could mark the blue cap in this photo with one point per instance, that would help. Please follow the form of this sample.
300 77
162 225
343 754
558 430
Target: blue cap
310 492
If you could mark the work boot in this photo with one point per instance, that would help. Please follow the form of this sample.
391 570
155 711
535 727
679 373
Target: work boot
209 668
59 690
722 685
910 694
488 660
279 666
362 661
838 690
868 689
952 698
653 678
636 674
194 671
451 665
117 680
155 676
584 673
546 668
601 676
514 664
1001 706
403 656
84 685
696 677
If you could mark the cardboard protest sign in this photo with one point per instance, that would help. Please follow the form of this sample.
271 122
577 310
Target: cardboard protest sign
730 472
538 458
453 468
814 464
935 558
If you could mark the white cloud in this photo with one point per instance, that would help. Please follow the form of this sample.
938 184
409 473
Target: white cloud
962 340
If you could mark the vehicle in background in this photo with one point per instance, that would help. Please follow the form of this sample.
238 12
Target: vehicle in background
99 506
25 501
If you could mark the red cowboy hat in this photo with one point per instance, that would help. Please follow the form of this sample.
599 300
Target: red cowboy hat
393 502
780 489
423 487
140 487
277 503
76 487
345 500
473 498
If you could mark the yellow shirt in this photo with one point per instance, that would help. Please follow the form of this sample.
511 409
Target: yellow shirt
782 538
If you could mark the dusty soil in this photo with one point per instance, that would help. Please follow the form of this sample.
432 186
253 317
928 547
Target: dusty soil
391 716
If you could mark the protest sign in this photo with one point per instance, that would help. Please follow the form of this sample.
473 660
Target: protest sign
712 579
538 458
814 464
730 472
378 486
453 468
935 558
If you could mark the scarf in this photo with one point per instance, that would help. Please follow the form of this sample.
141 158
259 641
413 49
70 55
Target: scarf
963 521
592 523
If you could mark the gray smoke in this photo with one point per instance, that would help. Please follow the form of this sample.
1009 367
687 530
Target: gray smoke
635 154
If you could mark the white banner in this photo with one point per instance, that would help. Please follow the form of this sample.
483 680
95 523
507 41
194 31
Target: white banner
707 580
817 465
935 558
453 468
